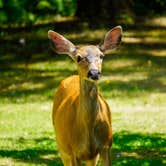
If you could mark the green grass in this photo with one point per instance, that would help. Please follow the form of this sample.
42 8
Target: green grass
133 83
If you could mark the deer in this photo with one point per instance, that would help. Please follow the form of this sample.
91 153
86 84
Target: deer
81 116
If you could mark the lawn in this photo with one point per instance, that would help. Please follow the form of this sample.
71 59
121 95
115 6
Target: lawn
133 82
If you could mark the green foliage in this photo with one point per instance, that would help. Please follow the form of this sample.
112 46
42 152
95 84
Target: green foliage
43 4
32 11
3 17
133 82
69 7
144 7
14 10
1 4
119 11
28 11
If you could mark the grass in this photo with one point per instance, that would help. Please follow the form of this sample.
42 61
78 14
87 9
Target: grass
133 83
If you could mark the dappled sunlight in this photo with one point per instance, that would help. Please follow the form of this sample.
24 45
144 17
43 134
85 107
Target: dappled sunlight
144 119
86 36
122 77
24 86
39 78
149 40
160 52
133 82
156 21
138 148
30 156
54 66
120 63
152 39
144 32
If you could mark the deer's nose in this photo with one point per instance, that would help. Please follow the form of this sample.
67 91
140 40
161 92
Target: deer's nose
93 74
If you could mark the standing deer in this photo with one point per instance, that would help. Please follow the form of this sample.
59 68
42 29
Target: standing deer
81 116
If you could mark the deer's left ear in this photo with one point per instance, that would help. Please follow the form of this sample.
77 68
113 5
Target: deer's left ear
60 44
112 39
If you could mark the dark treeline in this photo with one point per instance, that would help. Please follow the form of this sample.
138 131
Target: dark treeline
32 11
128 11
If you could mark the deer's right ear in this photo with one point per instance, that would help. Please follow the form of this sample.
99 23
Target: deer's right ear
60 44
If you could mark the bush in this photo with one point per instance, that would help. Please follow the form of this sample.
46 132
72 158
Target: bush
28 11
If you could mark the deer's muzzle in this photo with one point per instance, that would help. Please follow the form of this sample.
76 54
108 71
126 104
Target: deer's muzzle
93 74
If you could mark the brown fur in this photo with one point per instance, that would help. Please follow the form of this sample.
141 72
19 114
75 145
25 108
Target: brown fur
82 133
81 116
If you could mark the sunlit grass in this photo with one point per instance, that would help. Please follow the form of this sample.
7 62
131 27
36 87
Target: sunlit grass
159 21
133 82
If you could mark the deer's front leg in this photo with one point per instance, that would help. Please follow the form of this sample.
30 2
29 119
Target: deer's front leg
92 162
69 160
106 157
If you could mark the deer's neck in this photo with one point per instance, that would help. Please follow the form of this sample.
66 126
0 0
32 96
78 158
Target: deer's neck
88 100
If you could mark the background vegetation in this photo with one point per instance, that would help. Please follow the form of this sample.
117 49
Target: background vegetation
133 78
38 11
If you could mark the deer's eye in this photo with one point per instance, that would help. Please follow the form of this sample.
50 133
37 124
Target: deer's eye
101 56
79 58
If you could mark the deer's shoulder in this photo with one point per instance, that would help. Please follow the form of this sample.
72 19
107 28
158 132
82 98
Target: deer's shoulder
70 84
68 87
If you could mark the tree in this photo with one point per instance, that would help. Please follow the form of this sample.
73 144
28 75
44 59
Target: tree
102 10
96 11
28 11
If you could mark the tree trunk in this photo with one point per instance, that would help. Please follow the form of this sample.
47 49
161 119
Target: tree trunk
102 10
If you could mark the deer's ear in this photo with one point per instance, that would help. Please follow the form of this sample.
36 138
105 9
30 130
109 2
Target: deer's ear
112 39
60 44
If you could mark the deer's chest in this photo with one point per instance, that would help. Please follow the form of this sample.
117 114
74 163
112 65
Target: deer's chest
91 141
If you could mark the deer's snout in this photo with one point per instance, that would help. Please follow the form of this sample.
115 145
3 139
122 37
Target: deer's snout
93 74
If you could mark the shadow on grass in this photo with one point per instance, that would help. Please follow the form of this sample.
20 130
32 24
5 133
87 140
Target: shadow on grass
14 88
24 83
38 44
42 152
138 149
128 149
133 88
37 50
32 156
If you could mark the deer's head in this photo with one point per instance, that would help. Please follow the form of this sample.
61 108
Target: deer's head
88 58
